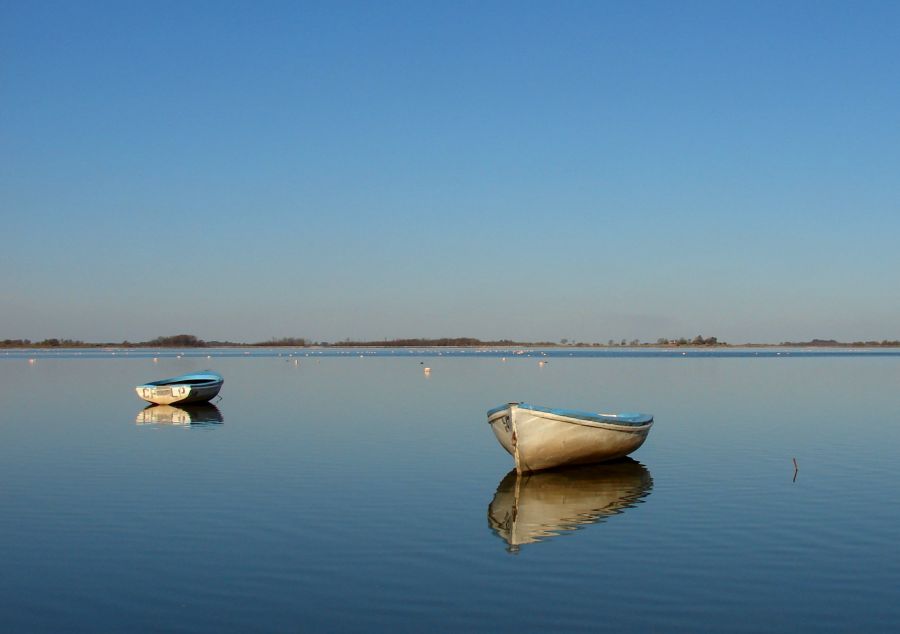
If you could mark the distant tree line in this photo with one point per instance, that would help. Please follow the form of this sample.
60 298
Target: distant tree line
283 342
176 341
443 342
832 343
46 343
191 341
172 341
699 340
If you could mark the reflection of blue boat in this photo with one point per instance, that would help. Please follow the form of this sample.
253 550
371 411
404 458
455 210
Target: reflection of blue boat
532 507
199 413
187 388
543 438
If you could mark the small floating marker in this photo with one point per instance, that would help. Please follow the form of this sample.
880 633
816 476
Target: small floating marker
542 363
426 370
296 362
503 359
31 361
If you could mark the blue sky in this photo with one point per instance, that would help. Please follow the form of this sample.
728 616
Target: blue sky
588 170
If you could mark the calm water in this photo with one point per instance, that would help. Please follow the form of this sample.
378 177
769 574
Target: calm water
346 493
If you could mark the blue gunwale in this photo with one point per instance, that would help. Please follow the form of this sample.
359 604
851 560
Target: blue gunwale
197 377
633 419
493 411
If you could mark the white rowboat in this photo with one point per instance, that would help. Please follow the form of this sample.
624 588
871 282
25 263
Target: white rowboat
187 388
543 438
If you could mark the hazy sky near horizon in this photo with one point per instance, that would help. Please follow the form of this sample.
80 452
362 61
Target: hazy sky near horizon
532 170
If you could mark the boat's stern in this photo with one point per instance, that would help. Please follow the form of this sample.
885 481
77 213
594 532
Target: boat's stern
163 394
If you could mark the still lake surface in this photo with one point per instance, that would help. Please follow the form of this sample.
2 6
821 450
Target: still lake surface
348 491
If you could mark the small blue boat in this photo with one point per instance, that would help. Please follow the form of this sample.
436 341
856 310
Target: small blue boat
187 388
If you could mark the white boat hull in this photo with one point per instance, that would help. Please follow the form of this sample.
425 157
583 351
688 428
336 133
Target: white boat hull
542 440
188 388
171 394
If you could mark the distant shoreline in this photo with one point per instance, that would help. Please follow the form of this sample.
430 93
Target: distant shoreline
407 344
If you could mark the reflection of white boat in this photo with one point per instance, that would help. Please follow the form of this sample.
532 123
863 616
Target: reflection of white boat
531 507
542 438
199 413
187 388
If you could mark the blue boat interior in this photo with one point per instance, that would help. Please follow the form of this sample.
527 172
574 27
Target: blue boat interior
198 378
623 418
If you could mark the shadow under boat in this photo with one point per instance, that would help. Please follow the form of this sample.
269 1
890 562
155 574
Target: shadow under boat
531 507
183 415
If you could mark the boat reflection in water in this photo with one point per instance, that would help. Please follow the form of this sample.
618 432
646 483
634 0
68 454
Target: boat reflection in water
185 415
531 507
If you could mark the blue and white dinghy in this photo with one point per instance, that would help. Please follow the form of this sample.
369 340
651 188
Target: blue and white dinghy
187 388
543 438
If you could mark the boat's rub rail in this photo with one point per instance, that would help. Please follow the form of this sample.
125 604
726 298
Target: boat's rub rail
605 424
497 411
624 422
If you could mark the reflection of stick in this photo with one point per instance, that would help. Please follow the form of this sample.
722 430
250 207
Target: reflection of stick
796 469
